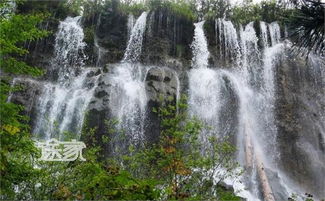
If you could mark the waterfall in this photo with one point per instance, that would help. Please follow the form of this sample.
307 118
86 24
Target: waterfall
128 96
275 33
62 104
264 34
200 47
228 37
253 85
100 52
129 99
204 88
134 47
68 48
62 109
271 55
130 25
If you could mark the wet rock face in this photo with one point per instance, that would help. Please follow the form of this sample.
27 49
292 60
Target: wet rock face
111 34
27 96
161 86
161 83
300 118
167 35
100 99
275 182
98 112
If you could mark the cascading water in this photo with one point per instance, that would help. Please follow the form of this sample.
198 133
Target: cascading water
128 96
130 25
200 47
100 50
134 48
205 88
250 53
228 37
254 87
68 49
203 85
275 33
62 108
264 34
63 103
268 96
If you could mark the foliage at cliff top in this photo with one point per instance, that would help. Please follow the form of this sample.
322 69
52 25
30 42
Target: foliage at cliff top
268 11
179 8
300 15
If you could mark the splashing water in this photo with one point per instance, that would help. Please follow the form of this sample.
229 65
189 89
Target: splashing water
203 86
129 99
62 104
62 109
128 96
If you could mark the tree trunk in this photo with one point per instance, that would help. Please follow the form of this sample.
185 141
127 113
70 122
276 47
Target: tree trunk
249 154
266 188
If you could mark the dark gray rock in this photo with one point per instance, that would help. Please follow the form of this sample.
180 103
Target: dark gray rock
111 35
28 95
301 120
100 100
167 35
278 190
162 87
161 83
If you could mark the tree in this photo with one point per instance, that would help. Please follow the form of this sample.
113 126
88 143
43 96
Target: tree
307 23
17 148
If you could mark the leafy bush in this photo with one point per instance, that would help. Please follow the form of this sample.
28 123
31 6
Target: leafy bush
268 11
134 8
181 9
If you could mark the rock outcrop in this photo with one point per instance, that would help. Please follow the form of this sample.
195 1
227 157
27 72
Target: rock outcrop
167 36
162 86
300 118
27 95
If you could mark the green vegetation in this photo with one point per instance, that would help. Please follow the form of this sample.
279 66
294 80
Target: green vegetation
301 16
174 167
179 8
307 23
17 148
268 11
179 160
133 8
177 165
